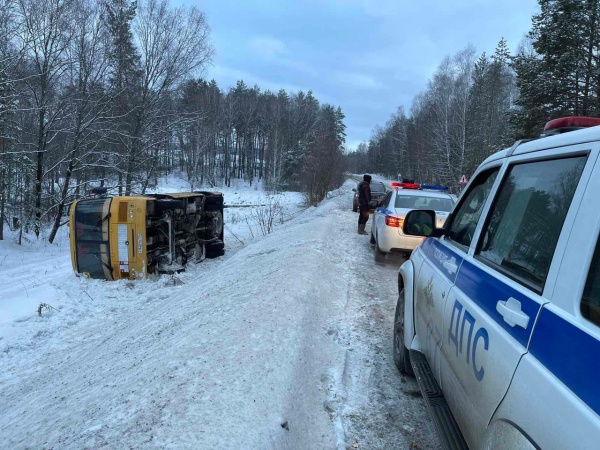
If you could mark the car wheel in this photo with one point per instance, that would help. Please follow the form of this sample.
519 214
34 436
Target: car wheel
213 203
401 353
379 254
215 249
217 224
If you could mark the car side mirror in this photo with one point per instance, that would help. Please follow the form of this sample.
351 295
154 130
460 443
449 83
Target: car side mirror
421 222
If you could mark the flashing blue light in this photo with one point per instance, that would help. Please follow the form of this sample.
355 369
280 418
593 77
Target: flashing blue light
434 187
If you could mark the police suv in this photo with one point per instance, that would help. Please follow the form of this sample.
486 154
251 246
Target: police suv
499 311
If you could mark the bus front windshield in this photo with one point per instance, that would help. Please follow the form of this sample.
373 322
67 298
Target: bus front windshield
91 237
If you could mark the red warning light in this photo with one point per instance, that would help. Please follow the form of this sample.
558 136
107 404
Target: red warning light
410 186
572 123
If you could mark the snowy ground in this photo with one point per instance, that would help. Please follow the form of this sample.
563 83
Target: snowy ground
285 342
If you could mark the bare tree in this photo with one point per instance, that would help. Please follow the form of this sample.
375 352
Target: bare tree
9 57
99 91
86 99
45 34
173 44
447 99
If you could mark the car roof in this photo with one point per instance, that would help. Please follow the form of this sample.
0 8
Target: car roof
582 136
560 140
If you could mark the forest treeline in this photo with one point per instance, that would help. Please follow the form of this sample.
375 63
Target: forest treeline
476 105
106 93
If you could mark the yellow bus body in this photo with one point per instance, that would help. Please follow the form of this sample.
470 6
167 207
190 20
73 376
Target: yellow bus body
109 236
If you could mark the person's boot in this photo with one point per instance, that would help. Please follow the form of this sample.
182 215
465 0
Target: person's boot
361 229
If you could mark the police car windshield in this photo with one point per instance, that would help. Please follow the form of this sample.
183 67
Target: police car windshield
423 202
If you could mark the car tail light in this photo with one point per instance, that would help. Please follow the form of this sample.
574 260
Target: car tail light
392 221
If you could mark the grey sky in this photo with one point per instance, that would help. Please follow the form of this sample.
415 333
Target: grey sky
369 57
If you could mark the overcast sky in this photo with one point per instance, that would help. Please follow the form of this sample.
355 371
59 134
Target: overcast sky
369 57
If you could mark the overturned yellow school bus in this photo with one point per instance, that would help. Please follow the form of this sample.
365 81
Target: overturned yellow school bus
133 236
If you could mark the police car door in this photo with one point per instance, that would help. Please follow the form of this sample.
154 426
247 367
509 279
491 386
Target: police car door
562 365
492 309
438 272
380 212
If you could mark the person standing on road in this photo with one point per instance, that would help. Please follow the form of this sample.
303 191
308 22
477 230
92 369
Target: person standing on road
364 197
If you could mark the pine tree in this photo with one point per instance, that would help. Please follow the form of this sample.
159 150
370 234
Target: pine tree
124 80
323 163
489 100
561 76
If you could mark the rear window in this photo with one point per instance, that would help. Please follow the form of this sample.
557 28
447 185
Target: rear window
377 189
423 202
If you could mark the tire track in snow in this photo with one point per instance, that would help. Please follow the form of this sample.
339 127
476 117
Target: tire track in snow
373 406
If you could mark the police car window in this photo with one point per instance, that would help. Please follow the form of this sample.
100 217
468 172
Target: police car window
590 303
469 211
527 217
423 202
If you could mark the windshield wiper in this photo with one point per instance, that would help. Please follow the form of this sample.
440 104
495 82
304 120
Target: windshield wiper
108 266
104 219
101 221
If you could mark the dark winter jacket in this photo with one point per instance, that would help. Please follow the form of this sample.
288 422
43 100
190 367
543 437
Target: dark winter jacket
364 194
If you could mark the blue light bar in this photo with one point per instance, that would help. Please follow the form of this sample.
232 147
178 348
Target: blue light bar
434 187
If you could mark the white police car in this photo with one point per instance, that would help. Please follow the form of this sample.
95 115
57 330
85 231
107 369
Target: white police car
386 227
499 312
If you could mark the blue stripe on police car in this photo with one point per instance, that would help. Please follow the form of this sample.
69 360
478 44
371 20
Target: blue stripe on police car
446 260
570 354
486 291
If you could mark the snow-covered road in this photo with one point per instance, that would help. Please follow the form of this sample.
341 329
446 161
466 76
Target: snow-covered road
283 343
